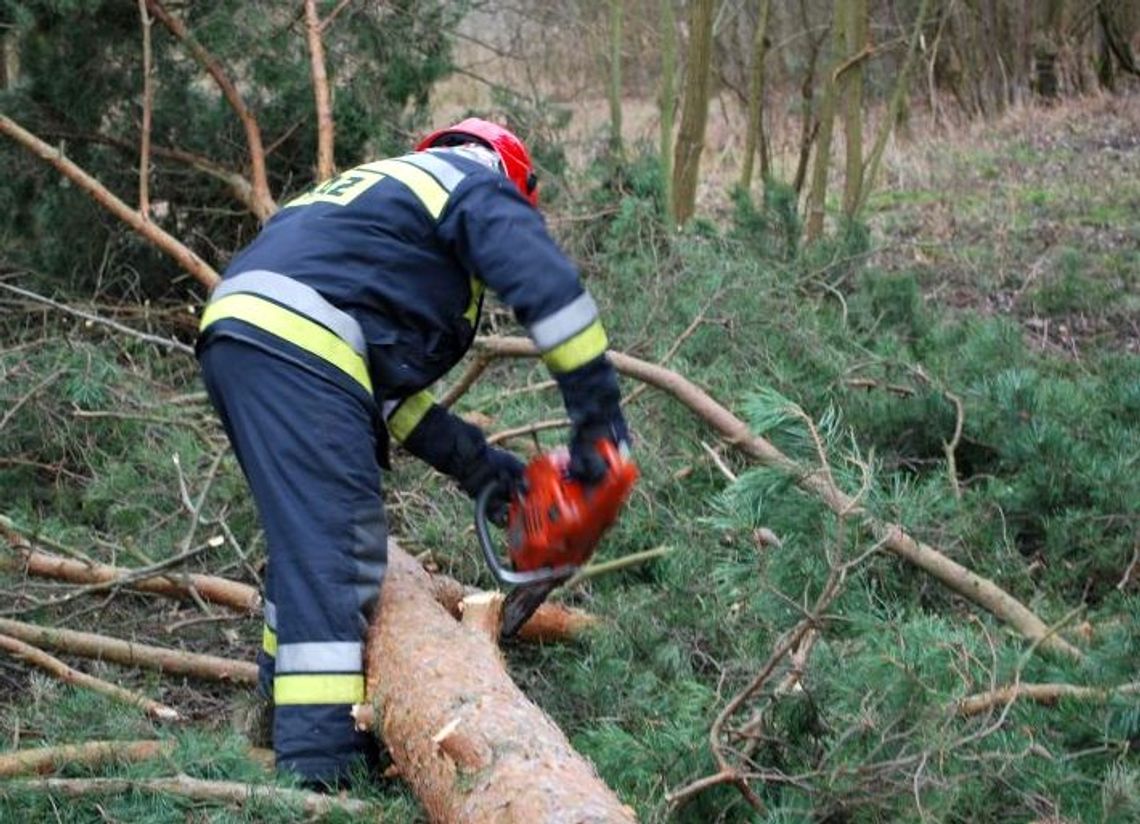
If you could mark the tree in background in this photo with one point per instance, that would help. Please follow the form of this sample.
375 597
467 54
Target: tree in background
694 111
232 116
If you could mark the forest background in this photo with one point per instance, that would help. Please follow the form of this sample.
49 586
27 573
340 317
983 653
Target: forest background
898 241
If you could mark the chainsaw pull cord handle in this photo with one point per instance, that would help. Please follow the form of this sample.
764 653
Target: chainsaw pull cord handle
487 545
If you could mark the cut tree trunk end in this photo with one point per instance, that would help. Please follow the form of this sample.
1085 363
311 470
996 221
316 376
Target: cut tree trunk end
463 735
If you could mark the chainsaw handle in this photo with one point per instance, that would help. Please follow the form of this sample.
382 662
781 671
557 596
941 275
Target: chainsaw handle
502 574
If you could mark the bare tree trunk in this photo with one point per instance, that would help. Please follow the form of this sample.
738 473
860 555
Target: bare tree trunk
148 105
667 102
817 195
9 59
694 111
616 148
468 741
754 133
326 164
808 125
855 36
902 85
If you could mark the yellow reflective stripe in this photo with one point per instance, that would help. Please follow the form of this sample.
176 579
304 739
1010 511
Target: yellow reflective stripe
269 641
578 350
318 689
409 414
477 289
297 329
423 186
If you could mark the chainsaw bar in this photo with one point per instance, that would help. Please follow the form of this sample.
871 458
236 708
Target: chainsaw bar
521 603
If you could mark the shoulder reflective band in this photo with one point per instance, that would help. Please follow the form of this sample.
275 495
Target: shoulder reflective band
288 325
571 336
320 656
448 176
430 192
408 413
318 689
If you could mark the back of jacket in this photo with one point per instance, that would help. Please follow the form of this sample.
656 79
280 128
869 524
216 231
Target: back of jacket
407 246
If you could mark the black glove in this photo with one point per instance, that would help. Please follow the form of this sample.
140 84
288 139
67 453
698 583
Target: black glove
496 466
586 464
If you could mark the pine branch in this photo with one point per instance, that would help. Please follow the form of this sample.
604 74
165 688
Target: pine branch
90 754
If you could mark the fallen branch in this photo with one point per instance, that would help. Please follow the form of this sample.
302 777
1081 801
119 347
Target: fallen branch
225 792
233 594
45 760
463 735
981 591
131 654
60 670
1041 693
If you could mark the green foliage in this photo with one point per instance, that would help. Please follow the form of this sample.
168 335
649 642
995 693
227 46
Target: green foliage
382 62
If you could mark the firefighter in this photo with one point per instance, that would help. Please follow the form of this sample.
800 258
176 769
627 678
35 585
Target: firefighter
320 343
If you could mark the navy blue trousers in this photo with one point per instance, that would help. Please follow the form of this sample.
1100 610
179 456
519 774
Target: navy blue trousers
306 441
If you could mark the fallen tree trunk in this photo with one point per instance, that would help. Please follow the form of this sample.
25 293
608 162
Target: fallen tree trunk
464 736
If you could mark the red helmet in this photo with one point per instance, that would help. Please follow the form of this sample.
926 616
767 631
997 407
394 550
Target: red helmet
515 157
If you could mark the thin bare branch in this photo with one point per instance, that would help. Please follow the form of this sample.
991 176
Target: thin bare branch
90 754
127 653
58 669
225 792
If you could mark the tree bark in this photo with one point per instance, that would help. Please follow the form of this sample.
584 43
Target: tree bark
694 111
817 194
468 741
616 147
667 103
326 128
855 37
754 131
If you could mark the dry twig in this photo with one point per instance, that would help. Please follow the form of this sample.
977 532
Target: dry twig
128 653
60 670
197 789
89 754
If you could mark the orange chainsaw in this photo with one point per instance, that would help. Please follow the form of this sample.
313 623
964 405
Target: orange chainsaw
554 524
